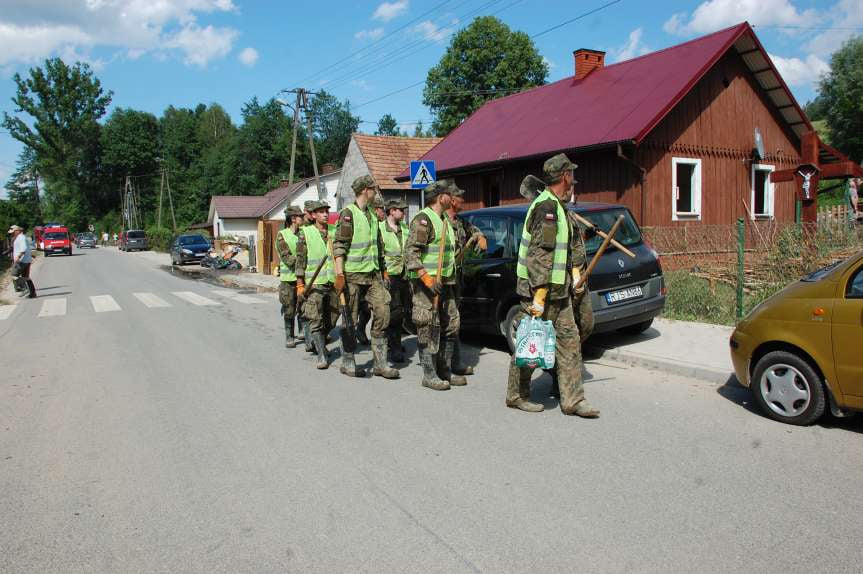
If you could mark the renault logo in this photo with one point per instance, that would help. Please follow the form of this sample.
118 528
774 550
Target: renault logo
620 263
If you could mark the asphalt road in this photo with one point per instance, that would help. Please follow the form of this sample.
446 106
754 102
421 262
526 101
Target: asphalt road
158 432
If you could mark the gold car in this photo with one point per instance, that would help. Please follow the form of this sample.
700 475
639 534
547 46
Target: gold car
803 348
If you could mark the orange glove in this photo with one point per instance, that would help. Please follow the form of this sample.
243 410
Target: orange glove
301 289
430 282
386 278
482 243
537 307
339 284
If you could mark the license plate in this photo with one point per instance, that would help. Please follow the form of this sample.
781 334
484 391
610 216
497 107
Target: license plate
623 295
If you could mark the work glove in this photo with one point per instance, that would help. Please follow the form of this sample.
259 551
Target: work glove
576 277
339 283
386 278
301 289
537 307
482 243
431 283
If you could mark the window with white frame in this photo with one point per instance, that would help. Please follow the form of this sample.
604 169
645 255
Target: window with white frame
686 188
761 202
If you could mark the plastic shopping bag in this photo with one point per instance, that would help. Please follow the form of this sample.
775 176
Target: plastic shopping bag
535 342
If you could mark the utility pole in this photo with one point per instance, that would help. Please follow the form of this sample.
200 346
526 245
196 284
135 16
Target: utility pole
321 191
170 200
161 192
294 140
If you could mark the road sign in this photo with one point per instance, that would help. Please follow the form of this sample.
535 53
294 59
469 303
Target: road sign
91 227
422 173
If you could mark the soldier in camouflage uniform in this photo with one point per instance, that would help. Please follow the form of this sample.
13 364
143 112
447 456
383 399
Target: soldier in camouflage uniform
464 232
308 219
365 312
286 246
394 234
359 268
546 282
421 256
320 308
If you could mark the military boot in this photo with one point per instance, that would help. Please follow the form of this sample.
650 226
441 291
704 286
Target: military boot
518 391
554 391
583 409
457 366
394 345
301 329
322 350
379 352
349 365
310 344
290 341
430 379
444 362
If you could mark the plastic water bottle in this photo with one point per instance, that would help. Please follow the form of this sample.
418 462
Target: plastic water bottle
550 345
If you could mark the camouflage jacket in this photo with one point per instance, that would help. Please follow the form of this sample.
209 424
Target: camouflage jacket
420 237
463 230
342 244
287 258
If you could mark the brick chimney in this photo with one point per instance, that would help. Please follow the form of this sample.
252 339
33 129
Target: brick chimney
587 61
328 168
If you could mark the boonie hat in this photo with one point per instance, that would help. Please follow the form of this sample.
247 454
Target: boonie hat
293 210
313 205
556 165
363 182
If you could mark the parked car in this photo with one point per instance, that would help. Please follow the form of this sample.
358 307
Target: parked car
85 239
189 248
800 350
133 239
626 293
56 240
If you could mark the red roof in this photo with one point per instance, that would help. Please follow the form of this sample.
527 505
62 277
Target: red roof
621 102
239 206
388 156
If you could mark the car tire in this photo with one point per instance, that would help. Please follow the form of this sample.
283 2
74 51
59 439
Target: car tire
508 326
637 328
788 389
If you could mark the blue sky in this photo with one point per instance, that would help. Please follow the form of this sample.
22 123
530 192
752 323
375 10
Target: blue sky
154 53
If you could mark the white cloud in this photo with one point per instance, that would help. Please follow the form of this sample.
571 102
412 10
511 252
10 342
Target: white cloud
372 34
431 31
713 15
361 84
386 11
30 32
799 72
248 57
845 14
551 65
631 48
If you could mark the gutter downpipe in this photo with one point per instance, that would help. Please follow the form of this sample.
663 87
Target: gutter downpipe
643 181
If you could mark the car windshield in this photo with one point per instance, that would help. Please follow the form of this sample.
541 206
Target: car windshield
85 236
135 234
56 235
628 233
192 240
823 272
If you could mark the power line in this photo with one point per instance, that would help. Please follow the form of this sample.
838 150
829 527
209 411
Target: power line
817 28
579 17
389 94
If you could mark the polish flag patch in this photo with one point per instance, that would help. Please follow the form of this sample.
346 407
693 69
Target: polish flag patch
549 216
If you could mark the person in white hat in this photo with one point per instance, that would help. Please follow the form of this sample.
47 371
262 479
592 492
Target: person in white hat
21 260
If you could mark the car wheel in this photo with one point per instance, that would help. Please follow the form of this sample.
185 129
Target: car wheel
636 329
788 389
508 326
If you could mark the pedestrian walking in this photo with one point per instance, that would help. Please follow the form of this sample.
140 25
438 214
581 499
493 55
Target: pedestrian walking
104 238
21 261
430 233
320 309
465 232
115 238
286 247
546 282
852 196
360 272
394 234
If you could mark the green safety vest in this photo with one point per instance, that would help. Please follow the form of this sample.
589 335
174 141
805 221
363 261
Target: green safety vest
394 251
362 256
285 272
561 247
429 260
317 252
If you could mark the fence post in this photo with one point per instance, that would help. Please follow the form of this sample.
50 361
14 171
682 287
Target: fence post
741 242
798 211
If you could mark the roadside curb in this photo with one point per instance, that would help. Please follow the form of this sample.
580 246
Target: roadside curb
227 279
669 366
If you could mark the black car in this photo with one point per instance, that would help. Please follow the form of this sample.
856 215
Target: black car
626 293
133 239
189 248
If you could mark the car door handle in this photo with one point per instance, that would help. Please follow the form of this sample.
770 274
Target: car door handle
493 275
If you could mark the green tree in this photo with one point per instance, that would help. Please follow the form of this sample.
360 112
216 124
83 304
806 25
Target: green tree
842 92
61 106
387 126
483 61
333 126
23 205
181 153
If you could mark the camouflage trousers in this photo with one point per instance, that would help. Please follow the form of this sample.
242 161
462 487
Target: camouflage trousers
321 308
567 357
583 314
400 301
376 297
288 299
422 314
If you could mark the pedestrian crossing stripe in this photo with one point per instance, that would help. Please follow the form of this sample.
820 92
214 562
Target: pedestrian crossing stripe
150 300
239 297
104 303
53 308
194 298
6 311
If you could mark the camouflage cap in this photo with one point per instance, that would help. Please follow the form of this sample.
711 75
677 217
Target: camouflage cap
455 190
363 182
307 206
316 205
378 202
556 165
396 204
436 188
293 210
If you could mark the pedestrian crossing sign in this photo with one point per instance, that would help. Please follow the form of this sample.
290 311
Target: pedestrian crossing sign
422 173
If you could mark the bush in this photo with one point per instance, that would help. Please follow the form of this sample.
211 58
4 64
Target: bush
691 298
160 238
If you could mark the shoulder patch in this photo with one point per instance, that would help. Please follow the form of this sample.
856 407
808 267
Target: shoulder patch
423 221
346 217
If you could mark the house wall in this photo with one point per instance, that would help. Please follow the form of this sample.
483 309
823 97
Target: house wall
241 227
330 183
715 123
355 166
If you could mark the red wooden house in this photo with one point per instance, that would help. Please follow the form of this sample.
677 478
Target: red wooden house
705 131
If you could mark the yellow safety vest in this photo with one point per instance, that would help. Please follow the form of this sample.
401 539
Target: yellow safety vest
394 249
285 272
429 260
561 247
317 252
